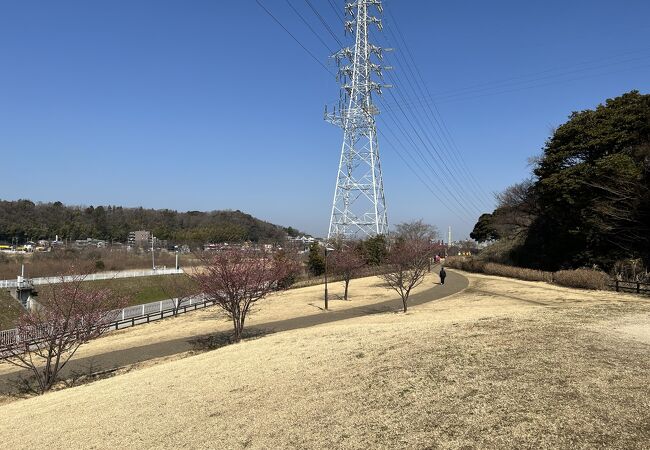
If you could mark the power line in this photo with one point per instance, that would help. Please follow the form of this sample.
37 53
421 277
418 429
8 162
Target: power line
457 154
359 204
294 38
453 178
309 26
324 22
417 134
336 11
443 202
590 64
500 87
457 158
426 184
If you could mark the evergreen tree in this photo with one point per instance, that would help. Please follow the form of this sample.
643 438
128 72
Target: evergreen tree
316 260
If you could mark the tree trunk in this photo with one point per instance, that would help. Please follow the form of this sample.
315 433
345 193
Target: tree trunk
239 326
237 329
404 302
347 283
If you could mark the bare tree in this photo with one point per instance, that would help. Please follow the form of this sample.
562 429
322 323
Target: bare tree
237 278
409 258
416 230
347 261
68 314
516 209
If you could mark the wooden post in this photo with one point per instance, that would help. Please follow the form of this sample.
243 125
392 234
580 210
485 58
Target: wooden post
616 285
638 287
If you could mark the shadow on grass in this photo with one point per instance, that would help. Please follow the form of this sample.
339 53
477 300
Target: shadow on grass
25 385
222 339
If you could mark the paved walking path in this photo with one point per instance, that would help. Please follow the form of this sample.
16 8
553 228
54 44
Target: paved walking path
454 283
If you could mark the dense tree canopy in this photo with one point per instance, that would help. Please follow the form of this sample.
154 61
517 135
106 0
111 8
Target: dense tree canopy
26 220
589 202
484 230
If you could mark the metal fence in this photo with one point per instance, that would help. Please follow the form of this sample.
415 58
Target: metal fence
93 277
129 316
8 337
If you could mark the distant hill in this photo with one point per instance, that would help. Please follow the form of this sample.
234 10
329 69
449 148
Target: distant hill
27 220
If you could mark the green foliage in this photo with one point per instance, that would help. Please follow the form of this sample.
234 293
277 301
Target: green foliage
316 260
141 290
374 250
484 230
10 310
29 221
590 202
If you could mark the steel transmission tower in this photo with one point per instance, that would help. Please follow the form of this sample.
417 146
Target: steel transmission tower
359 207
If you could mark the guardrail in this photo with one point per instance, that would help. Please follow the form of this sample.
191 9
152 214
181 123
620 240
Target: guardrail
151 317
8 284
129 316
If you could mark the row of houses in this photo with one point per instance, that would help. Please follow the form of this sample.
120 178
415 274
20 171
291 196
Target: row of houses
139 239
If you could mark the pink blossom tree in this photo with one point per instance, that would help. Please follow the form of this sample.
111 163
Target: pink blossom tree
68 314
409 258
237 278
347 261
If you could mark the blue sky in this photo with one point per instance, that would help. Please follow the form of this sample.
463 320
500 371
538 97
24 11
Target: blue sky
211 104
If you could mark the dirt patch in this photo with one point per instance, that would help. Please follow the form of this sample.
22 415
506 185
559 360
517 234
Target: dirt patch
634 326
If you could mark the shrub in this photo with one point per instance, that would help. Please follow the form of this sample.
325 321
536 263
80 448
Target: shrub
99 265
502 270
517 272
579 278
582 278
466 264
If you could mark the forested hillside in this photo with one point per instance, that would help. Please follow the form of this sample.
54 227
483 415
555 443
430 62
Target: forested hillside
588 200
27 220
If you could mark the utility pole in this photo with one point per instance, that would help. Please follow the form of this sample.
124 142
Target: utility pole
448 242
153 254
359 206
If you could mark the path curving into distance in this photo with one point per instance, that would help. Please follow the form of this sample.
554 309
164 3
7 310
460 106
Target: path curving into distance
454 283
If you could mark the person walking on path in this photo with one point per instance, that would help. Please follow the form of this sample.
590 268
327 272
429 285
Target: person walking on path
443 275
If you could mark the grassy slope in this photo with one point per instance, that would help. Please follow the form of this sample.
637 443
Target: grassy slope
145 289
9 310
137 290
504 364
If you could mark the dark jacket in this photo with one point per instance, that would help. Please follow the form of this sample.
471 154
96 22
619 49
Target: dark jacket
443 274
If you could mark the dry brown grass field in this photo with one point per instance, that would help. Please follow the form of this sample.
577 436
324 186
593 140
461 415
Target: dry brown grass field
45 264
503 364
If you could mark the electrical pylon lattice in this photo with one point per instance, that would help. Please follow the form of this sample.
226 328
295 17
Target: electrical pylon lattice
359 206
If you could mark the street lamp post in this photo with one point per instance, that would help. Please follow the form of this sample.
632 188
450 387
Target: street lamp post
326 297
